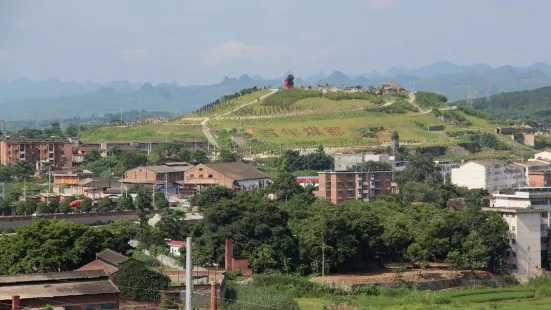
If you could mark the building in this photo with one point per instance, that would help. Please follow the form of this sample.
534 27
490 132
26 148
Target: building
234 175
533 166
344 162
177 247
543 155
54 152
308 181
147 145
107 260
446 167
80 151
70 177
91 187
390 87
338 186
89 289
492 175
527 214
539 179
155 177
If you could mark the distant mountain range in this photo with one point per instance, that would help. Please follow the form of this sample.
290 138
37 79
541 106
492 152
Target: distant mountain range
28 100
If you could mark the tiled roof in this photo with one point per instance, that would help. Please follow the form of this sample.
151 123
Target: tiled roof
58 289
238 171
111 257
99 265
52 276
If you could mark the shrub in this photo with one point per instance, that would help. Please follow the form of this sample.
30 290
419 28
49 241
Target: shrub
149 261
442 300
137 282
430 100
368 289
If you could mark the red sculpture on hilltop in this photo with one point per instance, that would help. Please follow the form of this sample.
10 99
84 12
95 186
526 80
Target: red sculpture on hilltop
289 82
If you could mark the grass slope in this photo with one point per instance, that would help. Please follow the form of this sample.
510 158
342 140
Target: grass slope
170 130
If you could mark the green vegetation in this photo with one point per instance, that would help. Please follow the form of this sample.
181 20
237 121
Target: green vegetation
228 102
398 107
136 282
430 100
169 131
479 141
286 97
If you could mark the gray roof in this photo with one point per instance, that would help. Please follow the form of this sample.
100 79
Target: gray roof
52 276
238 171
111 257
167 169
58 288
177 163
239 140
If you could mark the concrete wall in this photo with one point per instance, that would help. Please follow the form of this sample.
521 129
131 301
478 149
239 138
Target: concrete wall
12 222
470 175
527 243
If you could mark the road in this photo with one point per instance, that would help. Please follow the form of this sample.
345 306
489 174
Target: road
206 129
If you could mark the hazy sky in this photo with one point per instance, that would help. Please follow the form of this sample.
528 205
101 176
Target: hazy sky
201 41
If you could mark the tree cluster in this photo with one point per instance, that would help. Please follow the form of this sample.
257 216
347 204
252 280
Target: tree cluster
430 100
178 151
292 161
137 282
17 171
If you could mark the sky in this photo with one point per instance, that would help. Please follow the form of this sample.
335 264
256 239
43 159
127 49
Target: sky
200 42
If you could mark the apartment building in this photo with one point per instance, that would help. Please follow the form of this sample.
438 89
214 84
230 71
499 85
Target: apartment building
56 153
338 186
492 175
446 167
527 215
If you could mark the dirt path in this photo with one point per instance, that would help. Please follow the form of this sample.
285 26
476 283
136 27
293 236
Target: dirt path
206 129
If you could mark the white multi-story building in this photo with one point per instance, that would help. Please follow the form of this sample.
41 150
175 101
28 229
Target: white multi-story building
527 214
492 175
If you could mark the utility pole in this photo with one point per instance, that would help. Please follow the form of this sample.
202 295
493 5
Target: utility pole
323 250
189 274
166 186
470 99
49 179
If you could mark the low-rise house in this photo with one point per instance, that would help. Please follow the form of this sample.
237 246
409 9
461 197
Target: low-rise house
491 175
539 179
391 87
236 175
338 186
107 260
89 289
80 151
177 247
533 166
154 177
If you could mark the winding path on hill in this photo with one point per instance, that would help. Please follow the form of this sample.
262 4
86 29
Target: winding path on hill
206 129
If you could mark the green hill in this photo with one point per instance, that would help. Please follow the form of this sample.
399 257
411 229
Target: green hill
531 106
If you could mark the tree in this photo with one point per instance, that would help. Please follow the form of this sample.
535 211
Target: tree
262 258
137 282
64 207
211 196
72 130
199 156
160 201
125 203
372 166
286 187
5 207
105 204
227 156
143 206
20 170
86 204
172 224
92 156
395 139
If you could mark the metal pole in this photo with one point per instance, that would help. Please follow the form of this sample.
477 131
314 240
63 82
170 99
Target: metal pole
189 275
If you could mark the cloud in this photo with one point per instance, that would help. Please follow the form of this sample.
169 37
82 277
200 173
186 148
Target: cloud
133 54
235 50
377 5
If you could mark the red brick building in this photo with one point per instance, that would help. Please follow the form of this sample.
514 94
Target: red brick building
40 152
338 186
72 290
234 175
107 260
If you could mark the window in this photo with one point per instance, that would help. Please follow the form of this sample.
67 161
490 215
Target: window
200 175
191 175
544 240
350 192
514 254
513 241
512 228
513 215
545 214
210 175
339 184
68 308
544 227
89 307
107 306
514 267
350 184
200 169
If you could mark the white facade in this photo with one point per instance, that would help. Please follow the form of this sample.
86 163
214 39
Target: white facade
491 175
343 162
175 250
527 214
543 155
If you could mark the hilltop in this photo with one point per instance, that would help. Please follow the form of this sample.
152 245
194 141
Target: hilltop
28 100
528 105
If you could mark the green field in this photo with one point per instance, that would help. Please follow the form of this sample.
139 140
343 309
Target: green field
168 131
307 104
225 107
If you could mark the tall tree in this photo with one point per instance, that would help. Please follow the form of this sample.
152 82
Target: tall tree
143 206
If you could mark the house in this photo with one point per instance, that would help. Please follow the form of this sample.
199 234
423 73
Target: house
157 177
70 177
446 167
91 187
338 186
234 175
526 212
54 152
532 166
492 175
391 87
90 289
80 151
177 247
107 260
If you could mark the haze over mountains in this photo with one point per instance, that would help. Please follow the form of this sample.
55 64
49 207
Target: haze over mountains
24 99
